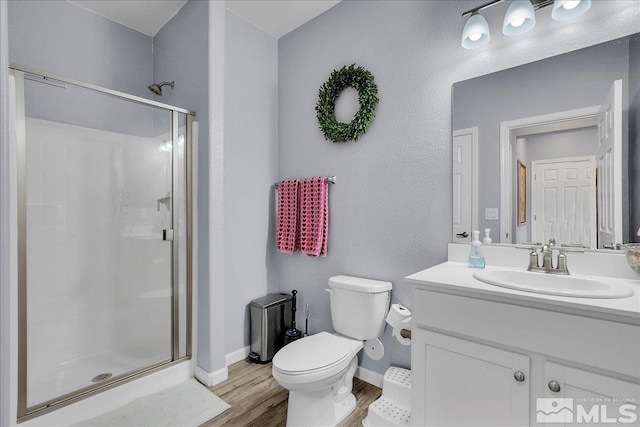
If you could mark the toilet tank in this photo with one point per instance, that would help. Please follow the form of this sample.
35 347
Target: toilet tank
359 306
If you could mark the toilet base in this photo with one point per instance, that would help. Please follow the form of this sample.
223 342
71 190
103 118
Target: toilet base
317 409
345 408
325 407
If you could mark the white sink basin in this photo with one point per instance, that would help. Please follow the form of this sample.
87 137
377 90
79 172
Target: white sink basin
551 284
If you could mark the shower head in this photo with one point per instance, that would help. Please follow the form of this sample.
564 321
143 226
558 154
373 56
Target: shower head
157 87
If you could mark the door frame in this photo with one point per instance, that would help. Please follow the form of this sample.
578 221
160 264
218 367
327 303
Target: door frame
512 129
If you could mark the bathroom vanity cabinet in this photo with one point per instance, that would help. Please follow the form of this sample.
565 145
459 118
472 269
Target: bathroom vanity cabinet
484 357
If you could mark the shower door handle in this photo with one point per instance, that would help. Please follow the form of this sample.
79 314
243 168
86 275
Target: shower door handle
167 235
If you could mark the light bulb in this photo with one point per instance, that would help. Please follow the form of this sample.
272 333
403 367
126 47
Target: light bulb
519 19
567 9
476 32
571 4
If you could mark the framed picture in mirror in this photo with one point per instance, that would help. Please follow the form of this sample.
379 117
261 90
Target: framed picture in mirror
522 193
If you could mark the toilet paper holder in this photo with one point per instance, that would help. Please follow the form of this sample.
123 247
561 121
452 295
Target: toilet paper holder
399 318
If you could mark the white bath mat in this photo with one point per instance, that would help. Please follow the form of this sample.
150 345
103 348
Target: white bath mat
184 405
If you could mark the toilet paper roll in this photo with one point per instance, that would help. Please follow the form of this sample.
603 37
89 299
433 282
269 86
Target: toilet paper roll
405 324
397 314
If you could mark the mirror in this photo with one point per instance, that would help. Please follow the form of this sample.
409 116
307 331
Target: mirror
551 149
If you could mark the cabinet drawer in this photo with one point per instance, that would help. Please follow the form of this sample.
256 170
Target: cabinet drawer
600 343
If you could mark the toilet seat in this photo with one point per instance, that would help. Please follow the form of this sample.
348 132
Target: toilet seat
317 356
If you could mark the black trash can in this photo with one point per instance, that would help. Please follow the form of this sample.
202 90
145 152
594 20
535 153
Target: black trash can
270 319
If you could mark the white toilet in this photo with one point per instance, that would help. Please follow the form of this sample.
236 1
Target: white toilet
318 370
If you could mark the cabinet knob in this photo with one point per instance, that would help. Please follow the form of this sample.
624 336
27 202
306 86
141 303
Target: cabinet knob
519 376
554 386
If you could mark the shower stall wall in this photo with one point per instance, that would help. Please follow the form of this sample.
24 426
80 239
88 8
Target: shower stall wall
104 238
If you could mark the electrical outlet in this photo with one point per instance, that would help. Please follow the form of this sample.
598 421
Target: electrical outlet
491 214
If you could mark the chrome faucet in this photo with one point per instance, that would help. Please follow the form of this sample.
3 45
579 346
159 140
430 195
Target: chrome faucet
547 259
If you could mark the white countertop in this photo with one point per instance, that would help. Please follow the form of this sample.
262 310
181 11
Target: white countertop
456 278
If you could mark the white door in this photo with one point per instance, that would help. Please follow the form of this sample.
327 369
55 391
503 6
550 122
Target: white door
610 168
575 396
564 201
468 384
465 184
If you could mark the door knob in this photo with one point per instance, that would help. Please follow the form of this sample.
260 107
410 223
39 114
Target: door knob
519 376
554 386
463 234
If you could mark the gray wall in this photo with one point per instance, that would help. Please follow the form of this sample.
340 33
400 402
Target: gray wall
576 80
62 38
390 213
250 169
91 50
556 145
215 327
180 54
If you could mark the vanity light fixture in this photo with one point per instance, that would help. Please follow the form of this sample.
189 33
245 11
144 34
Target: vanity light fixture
476 32
567 9
519 19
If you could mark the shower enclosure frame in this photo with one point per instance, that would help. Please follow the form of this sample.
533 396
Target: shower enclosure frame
23 411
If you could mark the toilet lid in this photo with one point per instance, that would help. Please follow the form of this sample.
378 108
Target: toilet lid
315 352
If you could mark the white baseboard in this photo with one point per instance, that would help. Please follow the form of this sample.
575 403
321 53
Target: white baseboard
371 377
210 379
236 356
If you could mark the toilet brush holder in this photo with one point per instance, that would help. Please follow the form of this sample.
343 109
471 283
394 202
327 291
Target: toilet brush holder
292 334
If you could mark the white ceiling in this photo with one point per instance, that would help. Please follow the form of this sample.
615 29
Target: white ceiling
279 17
276 17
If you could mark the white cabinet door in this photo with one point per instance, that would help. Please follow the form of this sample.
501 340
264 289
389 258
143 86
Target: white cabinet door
467 384
575 396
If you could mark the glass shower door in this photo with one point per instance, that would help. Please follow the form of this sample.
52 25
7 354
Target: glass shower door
99 195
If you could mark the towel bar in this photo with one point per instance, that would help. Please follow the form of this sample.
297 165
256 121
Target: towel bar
332 179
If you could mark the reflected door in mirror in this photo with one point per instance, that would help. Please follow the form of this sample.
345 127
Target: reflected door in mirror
465 190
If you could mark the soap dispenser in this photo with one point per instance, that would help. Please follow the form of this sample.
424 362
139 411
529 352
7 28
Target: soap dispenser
487 236
476 259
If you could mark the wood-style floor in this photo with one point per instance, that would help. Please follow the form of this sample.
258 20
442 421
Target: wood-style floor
256 399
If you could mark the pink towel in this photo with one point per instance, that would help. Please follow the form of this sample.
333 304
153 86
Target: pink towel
287 217
314 215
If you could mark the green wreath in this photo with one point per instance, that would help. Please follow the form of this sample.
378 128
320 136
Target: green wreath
362 81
